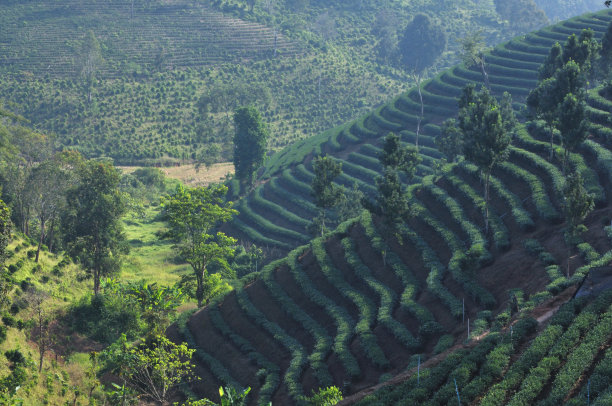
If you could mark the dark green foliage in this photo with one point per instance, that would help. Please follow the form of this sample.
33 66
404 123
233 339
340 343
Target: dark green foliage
3 332
450 141
392 201
572 125
399 158
553 61
421 43
105 316
325 193
250 143
583 49
151 177
15 357
577 204
523 15
92 229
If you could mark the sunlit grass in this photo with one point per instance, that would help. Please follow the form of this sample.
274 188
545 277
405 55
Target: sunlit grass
151 258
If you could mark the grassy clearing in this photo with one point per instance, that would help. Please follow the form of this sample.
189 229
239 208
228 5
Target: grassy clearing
151 258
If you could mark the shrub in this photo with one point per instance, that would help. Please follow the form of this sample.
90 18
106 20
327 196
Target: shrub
9 320
3 332
104 317
15 357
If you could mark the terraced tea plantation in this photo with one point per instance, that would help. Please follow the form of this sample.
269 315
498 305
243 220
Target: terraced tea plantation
567 363
277 212
359 306
134 38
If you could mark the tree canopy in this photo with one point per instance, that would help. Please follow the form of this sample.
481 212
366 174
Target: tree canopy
485 134
93 230
421 43
250 143
192 214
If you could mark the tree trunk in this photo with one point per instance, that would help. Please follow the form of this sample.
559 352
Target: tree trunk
486 198
485 75
51 235
420 118
96 277
200 288
552 142
40 240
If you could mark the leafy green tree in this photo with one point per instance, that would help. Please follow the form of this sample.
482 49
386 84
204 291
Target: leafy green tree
46 194
583 49
324 397
572 124
399 158
485 137
392 201
325 193
544 101
156 303
250 142
553 62
523 15
92 227
192 214
450 140
473 50
154 370
421 43
577 204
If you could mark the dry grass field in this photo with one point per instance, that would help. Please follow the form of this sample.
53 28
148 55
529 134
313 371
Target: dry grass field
188 174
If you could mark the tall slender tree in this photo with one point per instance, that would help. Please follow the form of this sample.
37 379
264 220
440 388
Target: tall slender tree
577 204
572 125
392 200
421 44
485 137
473 50
326 194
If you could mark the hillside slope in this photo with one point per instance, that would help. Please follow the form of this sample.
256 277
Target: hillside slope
276 214
359 306
159 58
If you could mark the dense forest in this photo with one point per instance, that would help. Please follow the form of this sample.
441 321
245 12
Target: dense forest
418 212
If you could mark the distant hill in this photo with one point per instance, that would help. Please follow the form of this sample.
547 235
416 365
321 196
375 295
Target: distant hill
308 68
